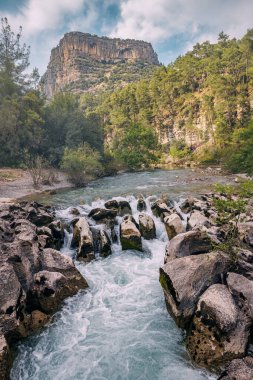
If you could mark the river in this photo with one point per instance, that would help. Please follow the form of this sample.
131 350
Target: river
118 329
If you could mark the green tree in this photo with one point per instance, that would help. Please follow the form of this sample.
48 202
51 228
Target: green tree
136 147
82 164
14 60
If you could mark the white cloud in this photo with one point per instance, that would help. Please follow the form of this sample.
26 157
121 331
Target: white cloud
43 22
162 19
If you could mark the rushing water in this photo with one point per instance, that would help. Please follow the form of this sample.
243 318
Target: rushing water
118 329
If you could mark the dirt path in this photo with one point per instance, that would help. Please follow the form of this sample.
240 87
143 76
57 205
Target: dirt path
17 183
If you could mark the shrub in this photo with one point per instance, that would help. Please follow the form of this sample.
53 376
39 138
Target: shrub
179 149
82 164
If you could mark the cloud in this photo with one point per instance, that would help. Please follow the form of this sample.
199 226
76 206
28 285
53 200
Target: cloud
162 19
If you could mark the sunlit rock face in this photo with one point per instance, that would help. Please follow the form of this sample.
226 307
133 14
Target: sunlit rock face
83 62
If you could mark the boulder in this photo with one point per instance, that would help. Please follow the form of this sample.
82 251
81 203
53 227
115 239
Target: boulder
102 215
242 289
105 244
185 279
39 216
197 219
51 288
54 261
187 205
124 208
74 211
82 238
141 204
173 225
57 232
239 369
159 208
112 204
220 329
147 226
5 359
130 236
187 244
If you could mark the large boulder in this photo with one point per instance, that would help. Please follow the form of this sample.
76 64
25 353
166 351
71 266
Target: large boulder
160 207
51 288
112 204
187 244
147 226
220 329
83 240
197 219
103 215
185 279
173 225
239 369
242 289
130 236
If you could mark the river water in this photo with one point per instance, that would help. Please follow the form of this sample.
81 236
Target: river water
118 329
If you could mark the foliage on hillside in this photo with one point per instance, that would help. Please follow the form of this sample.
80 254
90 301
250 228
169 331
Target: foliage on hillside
202 99
199 107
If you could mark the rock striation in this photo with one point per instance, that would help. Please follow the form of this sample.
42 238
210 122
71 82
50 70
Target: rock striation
84 62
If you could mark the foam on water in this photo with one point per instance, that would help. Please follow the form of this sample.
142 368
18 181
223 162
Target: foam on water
119 329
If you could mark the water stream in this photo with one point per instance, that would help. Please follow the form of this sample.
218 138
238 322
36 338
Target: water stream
118 329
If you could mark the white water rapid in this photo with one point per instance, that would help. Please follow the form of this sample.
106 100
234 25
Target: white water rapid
118 329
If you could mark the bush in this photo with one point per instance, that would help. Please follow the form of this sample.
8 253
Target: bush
179 149
82 164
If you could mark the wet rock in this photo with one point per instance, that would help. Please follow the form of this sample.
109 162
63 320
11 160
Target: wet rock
5 359
112 204
220 329
58 233
51 288
159 207
197 219
141 204
39 216
185 279
82 238
102 215
187 205
130 236
239 369
124 208
147 227
173 225
187 244
105 244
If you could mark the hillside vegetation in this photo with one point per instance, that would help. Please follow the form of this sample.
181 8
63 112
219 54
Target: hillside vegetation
199 109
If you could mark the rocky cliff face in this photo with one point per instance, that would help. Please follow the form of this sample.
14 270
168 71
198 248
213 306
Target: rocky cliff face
85 62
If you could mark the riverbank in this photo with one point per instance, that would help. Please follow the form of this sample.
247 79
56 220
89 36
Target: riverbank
17 183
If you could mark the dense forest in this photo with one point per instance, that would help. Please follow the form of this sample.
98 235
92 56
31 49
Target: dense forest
197 109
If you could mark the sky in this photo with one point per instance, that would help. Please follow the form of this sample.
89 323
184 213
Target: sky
172 26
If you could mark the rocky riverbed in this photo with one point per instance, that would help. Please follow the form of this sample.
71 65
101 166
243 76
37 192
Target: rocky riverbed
207 285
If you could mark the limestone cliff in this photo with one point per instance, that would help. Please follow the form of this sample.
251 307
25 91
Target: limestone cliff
85 62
